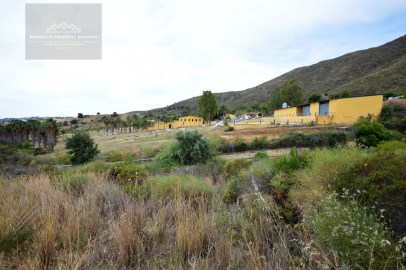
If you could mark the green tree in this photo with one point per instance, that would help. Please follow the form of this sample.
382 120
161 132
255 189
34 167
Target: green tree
81 148
276 100
292 93
80 115
207 105
314 98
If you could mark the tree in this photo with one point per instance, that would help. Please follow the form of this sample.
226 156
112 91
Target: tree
81 148
276 100
80 115
114 114
207 105
292 93
314 98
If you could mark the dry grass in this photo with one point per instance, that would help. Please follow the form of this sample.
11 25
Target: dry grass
103 227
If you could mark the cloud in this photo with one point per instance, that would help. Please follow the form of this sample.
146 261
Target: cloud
158 52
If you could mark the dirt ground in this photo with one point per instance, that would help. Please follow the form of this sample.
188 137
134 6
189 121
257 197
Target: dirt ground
269 132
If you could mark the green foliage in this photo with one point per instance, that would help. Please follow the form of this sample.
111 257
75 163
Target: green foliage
192 148
358 237
167 157
39 151
234 166
369 134
317 139
314 98
14 240
207 105
379 181
261 155
81 148
260 143
63 159
392 146
172 186
128 171
113 156
240 145
80 115
292 93
393 117
291 162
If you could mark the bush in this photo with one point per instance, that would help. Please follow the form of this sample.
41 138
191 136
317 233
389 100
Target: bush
261 155
378 181
39 151
240 145
290 163
192 148
128 172
172 186
233 167
63 159
369 134
318 139
167 157
260 143
81 148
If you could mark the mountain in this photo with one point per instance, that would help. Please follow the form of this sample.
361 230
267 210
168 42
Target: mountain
372 71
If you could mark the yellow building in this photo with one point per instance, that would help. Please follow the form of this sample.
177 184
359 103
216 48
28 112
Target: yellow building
336 111
186 121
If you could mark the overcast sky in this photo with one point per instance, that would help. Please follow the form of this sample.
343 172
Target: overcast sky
157 52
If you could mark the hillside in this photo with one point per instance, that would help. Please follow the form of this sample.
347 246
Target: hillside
371 71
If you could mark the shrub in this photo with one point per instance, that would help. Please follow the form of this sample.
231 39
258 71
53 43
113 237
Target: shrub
172 186
192 148
369 133
81 148
240 145
261 155
260 143
63 159
167 157
39 151
378 181
233 167
318 139
358 237
290 163
128 171
392 146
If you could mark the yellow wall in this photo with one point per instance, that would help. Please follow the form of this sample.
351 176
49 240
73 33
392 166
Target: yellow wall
187 121
341 111
348 110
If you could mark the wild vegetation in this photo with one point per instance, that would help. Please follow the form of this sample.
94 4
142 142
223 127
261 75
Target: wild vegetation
332 207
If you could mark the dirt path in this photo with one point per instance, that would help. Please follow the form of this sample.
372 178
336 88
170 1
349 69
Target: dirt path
270 152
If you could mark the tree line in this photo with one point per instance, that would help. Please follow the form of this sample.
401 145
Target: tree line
41 134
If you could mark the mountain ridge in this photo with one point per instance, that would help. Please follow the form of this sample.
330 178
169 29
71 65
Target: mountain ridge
360 73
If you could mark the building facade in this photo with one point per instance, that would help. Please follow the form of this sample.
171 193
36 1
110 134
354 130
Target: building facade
183 122
336 111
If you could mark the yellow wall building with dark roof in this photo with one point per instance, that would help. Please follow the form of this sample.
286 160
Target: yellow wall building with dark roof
183 122
336 111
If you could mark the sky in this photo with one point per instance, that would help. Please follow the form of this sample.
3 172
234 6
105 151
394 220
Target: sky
158 52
